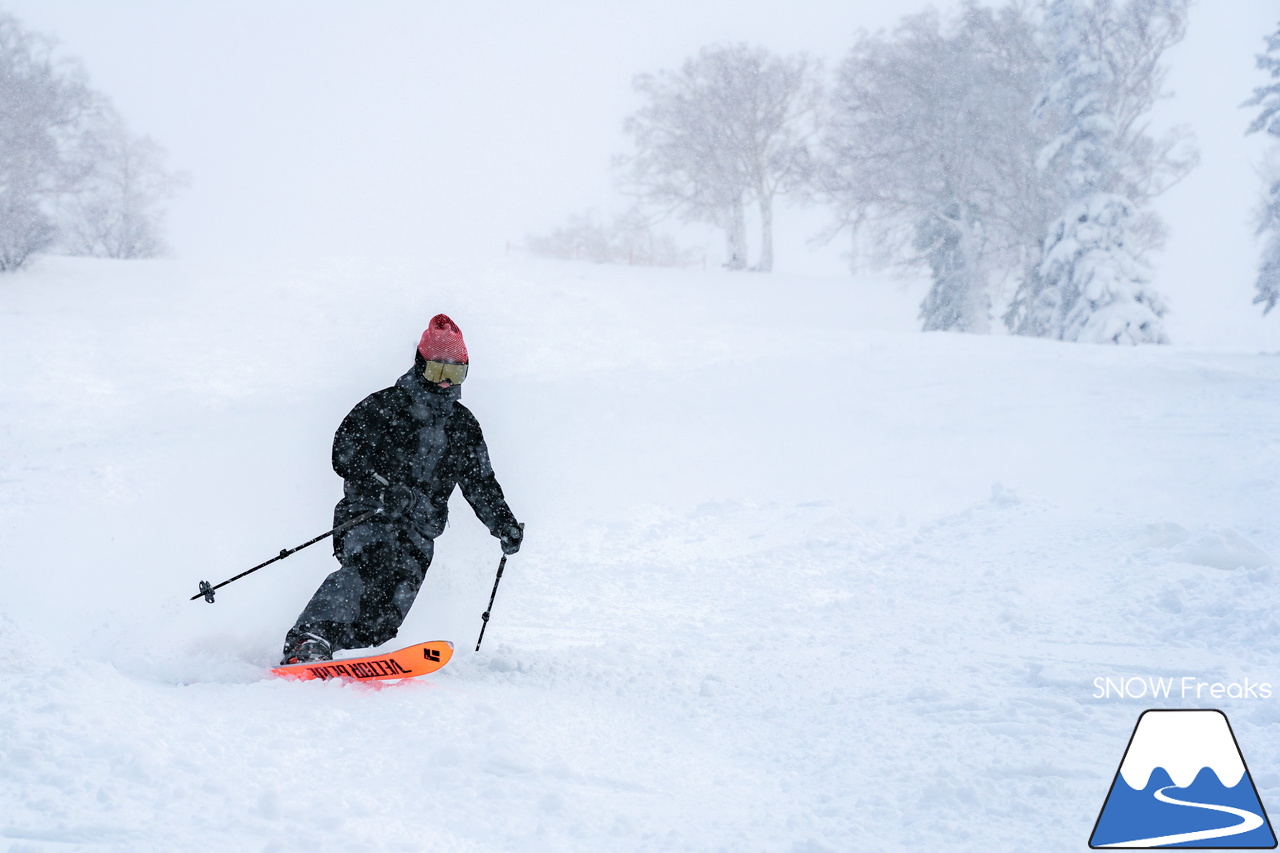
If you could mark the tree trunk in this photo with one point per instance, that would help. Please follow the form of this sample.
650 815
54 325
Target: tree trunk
766 232
736 234
977 308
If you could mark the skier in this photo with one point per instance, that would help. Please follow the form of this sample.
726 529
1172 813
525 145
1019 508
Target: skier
401 450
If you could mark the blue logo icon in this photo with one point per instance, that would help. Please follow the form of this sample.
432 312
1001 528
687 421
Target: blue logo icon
1183 783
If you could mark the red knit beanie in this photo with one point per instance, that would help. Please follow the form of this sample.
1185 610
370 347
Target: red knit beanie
442 341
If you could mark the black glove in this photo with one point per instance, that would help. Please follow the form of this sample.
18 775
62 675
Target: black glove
397 500
511 539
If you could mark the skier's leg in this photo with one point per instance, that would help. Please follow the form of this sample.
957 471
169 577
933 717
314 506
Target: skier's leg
363 603
391 583
334 609
330 612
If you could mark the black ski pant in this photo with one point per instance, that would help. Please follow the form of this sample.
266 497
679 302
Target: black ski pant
364 603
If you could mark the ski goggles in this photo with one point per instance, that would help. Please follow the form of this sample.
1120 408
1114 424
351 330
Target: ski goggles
440 371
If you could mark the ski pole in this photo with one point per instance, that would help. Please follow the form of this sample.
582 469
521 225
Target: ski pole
206 591
484 617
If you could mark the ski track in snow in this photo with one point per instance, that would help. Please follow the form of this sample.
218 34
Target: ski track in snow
856 605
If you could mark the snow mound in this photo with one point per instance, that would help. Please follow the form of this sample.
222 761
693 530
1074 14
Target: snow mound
1223 549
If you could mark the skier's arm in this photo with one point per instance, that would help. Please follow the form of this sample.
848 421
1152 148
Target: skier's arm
480 485
361 459
356 452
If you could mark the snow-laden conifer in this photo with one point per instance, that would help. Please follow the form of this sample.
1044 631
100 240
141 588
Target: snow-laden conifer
1090 285
1268 120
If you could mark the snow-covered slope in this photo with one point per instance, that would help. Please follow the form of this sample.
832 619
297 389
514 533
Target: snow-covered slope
797 577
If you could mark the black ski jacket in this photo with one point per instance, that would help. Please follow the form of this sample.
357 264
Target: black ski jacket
418 435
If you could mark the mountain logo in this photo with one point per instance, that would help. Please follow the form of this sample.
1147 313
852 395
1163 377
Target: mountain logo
1183 783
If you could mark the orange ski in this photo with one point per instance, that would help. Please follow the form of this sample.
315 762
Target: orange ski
406 663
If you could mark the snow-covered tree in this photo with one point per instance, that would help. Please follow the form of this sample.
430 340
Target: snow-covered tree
45 107
1268 99
1132 37
1091 283
69 170
116 211
932 148
1093 288
730 127
959 298
929 148
1268 284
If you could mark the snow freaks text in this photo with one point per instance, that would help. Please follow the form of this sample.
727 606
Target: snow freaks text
1184 687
